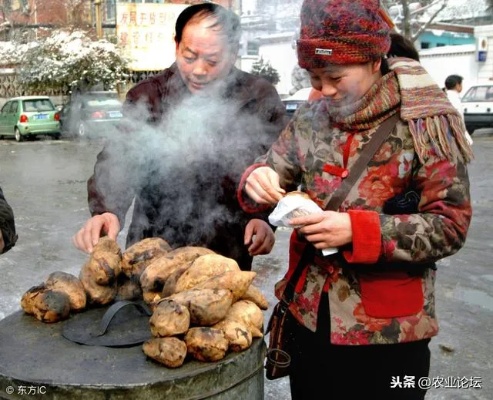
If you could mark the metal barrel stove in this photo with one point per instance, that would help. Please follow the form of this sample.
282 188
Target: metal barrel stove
37 361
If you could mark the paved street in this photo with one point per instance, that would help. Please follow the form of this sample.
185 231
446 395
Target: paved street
45 182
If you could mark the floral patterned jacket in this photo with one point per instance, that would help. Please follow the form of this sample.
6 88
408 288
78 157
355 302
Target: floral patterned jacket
381 287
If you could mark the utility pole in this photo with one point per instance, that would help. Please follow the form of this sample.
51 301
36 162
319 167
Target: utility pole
98 19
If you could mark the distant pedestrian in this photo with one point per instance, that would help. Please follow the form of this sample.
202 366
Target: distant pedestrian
453 88
8 237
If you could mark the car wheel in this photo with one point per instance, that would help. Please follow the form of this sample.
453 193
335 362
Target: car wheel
18 135
82 130
56 136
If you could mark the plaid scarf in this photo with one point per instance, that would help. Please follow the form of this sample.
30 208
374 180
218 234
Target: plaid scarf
433 121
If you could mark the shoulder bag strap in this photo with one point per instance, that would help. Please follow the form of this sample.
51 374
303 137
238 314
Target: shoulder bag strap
338 197
307 255
361 163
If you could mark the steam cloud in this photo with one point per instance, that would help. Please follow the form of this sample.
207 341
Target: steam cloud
195 156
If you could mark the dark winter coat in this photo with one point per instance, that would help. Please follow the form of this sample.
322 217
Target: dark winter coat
183 167
7 224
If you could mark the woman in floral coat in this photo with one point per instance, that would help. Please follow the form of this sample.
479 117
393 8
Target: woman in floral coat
365 315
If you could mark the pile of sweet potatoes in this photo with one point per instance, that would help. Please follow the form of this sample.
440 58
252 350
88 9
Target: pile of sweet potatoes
203 305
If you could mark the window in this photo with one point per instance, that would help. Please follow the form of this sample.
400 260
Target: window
253 48
479 93
110 10
425 45
103 102
37 105
6 107
29 106
489 93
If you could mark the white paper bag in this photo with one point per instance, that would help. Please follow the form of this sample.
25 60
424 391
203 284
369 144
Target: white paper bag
295 206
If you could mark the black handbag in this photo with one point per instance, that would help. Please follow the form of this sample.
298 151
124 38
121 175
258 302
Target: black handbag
279 327
281 321
403 203
281 342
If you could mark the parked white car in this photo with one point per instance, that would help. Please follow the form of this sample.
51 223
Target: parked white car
477 104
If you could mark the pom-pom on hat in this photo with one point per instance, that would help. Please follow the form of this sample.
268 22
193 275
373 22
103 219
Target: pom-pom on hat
341 32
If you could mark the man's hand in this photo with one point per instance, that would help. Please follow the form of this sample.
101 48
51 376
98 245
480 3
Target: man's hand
259 237
99 225
262 185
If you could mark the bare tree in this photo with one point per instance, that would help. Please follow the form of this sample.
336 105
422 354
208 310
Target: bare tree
413 18
78 14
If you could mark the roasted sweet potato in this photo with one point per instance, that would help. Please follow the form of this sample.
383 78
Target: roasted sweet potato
128 288
169 318
69 284
237 333
203 268
103 267
169 287
105 244
99 275
152 298
29 297
97 294
206 306
236 281
169 351
46 305
206 344
159 270
253 293
248 313
137 257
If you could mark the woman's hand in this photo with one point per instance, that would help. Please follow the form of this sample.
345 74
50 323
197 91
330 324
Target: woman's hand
325 229
262 185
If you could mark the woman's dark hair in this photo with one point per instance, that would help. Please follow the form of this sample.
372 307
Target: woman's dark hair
400 46
226 20
452 81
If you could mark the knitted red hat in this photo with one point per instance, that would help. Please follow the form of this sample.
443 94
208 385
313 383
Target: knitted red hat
341 32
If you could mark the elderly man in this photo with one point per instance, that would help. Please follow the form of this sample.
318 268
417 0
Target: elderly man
189 133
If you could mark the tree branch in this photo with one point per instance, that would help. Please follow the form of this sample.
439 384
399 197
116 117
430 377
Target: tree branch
423 27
